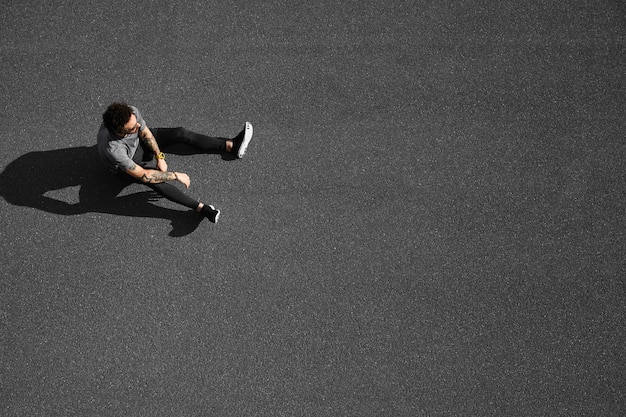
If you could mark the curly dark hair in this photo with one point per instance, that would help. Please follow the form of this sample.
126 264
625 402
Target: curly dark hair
116 116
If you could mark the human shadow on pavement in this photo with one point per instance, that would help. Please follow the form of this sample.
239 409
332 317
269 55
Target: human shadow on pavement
27 180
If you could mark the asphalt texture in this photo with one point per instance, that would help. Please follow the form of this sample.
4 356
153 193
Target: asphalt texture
429 219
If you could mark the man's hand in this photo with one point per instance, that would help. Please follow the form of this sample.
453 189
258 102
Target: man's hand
162 165
183 178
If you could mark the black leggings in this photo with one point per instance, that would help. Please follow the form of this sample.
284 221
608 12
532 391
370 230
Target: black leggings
167 137
170 136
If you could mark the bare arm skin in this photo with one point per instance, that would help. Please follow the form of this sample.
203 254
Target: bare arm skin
148 138
153 176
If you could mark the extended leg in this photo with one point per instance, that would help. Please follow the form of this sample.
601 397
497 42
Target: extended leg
166 136
174 194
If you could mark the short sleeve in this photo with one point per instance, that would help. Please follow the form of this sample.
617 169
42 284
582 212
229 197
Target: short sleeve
140 119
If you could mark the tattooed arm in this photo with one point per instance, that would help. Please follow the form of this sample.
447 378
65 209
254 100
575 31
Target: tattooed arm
148 138
153 176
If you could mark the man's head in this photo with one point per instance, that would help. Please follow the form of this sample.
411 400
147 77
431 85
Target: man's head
119 119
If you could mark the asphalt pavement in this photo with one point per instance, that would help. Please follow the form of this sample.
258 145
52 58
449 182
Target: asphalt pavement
429 219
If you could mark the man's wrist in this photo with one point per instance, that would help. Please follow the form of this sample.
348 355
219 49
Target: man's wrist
159 155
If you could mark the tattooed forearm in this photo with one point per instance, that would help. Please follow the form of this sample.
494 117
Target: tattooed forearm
150 141
155 177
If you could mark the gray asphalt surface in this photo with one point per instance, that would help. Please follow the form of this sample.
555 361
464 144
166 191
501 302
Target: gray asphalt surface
429 220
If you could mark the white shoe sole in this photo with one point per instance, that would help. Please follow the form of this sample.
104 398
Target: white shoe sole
217 215
246 140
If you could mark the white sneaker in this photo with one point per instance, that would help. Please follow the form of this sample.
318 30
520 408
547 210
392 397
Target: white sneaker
211 213
241 141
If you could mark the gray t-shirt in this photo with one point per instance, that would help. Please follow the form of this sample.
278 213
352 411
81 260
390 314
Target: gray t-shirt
115 152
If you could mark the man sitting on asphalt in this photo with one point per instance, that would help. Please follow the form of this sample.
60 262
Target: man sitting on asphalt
126 145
